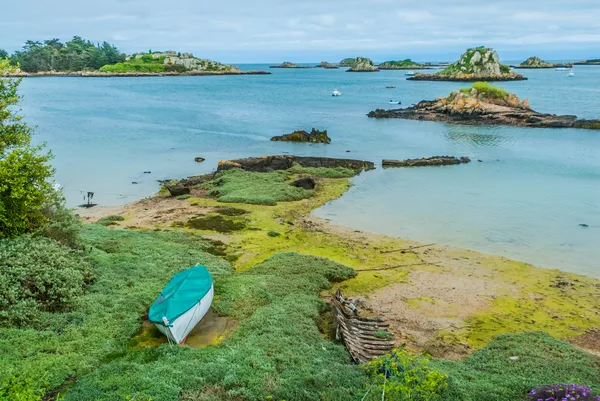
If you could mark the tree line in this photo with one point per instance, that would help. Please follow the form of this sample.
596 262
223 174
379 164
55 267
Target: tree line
77 54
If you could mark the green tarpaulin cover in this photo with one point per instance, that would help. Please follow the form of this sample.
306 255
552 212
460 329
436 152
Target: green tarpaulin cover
184 291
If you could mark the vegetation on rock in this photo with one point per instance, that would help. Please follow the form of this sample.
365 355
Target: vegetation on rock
347 62
363 64
536 62
400 65
75 55
170 61
476 64
315 136
325 64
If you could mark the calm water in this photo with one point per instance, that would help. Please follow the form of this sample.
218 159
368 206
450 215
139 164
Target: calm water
525 200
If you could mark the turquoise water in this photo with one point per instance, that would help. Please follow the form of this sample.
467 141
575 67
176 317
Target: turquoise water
525 200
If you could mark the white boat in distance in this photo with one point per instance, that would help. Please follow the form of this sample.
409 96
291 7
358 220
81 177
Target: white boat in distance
336 93
562 69
410 73
571 73
395 102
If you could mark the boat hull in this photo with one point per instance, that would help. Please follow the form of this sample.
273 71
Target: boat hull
179 328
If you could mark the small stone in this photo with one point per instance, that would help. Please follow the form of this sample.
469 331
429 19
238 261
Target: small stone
199 159
134 182
584 225
147 172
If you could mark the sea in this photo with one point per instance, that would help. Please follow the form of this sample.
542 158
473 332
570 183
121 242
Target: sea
525 196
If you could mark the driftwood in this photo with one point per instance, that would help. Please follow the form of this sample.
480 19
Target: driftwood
358 332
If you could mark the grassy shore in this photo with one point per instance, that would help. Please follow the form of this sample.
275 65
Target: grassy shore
273 267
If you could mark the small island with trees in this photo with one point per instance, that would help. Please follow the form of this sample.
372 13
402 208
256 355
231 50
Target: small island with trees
363 64
79 57
476 64
536 62
484 104
595 61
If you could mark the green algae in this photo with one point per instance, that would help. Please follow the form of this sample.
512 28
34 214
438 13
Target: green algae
215 223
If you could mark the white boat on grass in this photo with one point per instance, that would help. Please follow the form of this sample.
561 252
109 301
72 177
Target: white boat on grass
182 303
336 93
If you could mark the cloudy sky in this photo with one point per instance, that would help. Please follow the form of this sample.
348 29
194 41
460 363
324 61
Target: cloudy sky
312 30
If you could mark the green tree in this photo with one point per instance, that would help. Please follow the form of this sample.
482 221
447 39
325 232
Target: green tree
25 188
3 54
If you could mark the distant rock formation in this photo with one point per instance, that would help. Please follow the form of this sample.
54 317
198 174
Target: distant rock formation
536 62
284 162
589 62
476 64
314 136
325 64
347 62
484 104
363 64
406 64
287 64
429 161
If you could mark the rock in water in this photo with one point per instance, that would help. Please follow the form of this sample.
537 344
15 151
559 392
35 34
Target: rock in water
363 64
476 64
177 190
284 162
305 182
430 161
325 64
347 62
199 159
536 62
314 136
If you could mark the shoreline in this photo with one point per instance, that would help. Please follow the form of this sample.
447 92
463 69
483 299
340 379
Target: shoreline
97 74
446 300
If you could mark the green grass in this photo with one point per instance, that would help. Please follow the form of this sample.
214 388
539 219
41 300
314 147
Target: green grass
487 90
323 172
276 351
490 374
238 186
130 270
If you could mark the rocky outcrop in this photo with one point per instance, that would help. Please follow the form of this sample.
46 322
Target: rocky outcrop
429 161
588 62
304 182
476 64
284 162
199 159
315 136
347 62
362 64
325 64
287 64
536 62
178 189
487 106
407 64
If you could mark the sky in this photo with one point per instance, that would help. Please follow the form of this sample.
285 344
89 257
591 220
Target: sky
255 31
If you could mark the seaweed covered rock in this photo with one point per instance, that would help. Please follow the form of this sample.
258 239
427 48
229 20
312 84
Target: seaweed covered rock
406 64
284 162
347 62
476 64
304 182
536 62
363 64
177 190
315 136
429 161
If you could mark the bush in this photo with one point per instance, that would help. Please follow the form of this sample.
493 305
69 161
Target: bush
568 392
110 220
64 226
403 376
38 275
487 90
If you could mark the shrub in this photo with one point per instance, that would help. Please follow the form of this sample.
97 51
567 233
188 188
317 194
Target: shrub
64 227
403 376
487 90
110 220
38 275
273 234
183 197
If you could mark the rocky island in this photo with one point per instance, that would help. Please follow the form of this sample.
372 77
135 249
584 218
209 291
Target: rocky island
363 64
426 161
347 62
536 62
406 64
476 64
484 104
315 136
287 64
326 65
589 62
